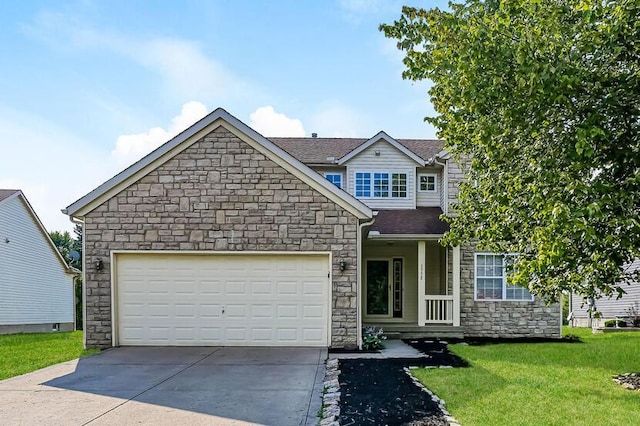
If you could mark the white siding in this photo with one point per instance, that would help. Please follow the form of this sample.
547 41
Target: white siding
34 288
389 160
429 199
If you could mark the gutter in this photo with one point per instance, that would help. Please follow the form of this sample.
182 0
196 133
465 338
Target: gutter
359 280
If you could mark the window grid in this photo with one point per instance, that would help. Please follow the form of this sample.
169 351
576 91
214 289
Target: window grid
491 281
380 185
334 178
427 183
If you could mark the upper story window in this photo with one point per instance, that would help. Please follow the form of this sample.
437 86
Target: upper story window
334 178
491 280
380 185
428 182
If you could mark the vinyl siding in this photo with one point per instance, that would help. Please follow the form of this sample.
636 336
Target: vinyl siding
610 307
34 287
429 199
390 160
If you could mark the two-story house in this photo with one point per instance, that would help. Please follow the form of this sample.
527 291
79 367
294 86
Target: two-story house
224 237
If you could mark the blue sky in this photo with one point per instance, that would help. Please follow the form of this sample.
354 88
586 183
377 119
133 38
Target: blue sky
88 87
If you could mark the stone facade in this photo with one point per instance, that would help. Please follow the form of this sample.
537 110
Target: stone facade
220 194
506 318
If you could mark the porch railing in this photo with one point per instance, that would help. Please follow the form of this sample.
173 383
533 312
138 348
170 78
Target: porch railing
439 309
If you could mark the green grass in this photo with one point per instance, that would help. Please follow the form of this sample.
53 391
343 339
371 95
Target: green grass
22 353
542 383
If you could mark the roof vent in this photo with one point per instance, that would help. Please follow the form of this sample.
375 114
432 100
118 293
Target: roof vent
314 135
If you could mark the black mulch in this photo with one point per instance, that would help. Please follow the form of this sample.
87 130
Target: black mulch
629 380
379 392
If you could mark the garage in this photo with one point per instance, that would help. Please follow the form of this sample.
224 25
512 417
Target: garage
261 299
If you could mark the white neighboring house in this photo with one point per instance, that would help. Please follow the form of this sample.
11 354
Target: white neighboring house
36 284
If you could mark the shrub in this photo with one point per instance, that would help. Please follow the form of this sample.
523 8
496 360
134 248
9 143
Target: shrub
633 313
372 338
612 323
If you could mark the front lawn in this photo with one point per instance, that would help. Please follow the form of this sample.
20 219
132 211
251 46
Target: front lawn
22 353
541 383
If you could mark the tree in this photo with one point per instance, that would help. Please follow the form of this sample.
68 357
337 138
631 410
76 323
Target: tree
542 99
65 245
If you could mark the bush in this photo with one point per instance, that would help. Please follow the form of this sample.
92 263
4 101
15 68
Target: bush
634 314
372 338
612 323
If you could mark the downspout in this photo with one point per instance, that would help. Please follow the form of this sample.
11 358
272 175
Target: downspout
359 281
445 185
77 221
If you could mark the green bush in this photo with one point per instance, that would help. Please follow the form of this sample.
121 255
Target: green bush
372 338
612 323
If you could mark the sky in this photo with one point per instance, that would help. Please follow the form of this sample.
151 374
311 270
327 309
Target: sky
89 87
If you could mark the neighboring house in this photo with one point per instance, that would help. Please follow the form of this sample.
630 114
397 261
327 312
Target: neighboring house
224 237
36 284
606 307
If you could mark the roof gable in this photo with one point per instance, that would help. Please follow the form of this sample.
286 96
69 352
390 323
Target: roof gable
9 194
212 121
385 137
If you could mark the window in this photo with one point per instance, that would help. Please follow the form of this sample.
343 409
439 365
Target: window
334 178
491 280
380 185
428 183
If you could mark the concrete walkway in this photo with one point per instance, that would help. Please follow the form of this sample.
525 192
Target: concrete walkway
168 386
392 349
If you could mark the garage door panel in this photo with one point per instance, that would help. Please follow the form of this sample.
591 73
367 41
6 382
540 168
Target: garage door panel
250 300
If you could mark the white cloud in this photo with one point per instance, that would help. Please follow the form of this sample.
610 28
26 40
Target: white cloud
336 120
131 148
266 121
50 165
185 70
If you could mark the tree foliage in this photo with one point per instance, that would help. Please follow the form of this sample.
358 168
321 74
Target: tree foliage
65 244
542 98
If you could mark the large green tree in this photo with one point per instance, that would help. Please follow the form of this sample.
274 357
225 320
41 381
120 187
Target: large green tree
542 98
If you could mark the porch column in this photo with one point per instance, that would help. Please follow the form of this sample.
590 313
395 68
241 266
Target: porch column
456 286
422 304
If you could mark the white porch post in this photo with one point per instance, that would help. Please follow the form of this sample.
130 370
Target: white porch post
456 286
422 303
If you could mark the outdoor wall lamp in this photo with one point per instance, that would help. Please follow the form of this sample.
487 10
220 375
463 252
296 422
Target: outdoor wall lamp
98 264
343 265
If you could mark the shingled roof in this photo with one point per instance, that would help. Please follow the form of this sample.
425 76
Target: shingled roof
419 221
6 193
317 150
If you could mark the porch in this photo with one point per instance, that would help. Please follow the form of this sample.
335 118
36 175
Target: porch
411 288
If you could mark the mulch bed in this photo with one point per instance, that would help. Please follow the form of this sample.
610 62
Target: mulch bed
628 380
379 392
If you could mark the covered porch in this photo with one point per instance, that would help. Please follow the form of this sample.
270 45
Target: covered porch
410 283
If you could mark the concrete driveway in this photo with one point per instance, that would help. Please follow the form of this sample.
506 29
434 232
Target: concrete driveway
168 386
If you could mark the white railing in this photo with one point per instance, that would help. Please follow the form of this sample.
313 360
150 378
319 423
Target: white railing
439 309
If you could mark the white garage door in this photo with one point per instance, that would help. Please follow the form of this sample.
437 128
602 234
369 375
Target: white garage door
192 300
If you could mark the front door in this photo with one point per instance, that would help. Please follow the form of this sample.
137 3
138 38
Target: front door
384 287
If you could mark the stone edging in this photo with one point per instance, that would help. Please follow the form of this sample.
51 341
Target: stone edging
331 394
447 417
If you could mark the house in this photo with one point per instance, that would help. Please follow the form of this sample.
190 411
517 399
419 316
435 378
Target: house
36 284
607 307
223 237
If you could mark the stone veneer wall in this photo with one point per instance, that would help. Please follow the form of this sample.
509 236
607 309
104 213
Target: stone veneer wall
501 319
220 194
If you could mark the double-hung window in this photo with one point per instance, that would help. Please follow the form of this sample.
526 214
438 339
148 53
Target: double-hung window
334 178
380 185
491 280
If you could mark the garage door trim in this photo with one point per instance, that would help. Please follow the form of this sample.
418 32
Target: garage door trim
114 270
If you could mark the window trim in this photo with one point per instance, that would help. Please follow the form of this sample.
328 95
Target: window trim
327 174
389 174
504 280
435 183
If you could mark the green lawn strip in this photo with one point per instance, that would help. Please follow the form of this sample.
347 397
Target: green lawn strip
541 383
23 353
